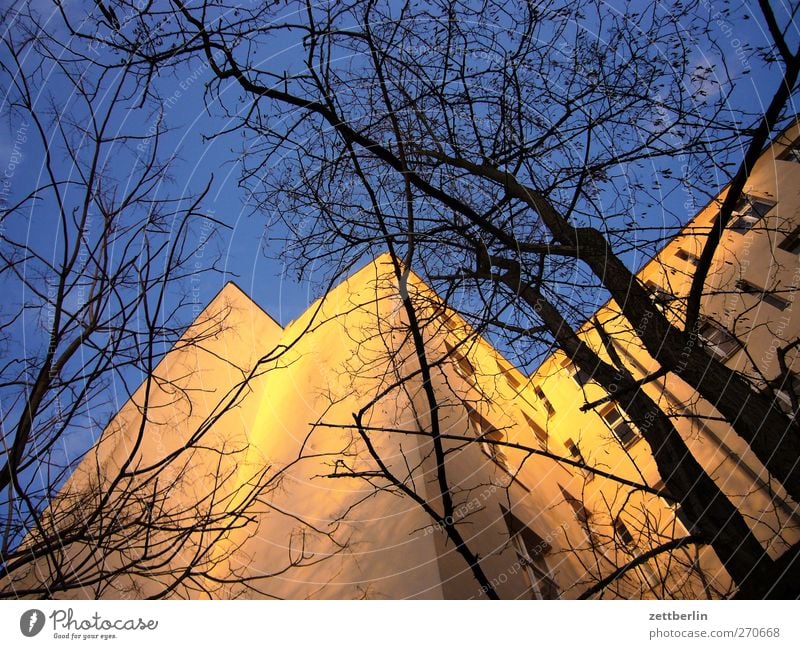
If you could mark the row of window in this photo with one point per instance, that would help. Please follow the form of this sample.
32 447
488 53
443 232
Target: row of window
772 299
723 345
790 243
530 549
716 338
748 211
611 414
662 297
487 434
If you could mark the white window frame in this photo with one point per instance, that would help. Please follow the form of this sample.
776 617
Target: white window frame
536 569
685 255
749 210
620 420
791 153
782 397
722 349
537 572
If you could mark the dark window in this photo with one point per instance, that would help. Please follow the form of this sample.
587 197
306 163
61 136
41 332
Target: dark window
661 296
649 574
792 152
545 401
509 374
718 340
463 366
623 534
450 323
575 452
687 256
487 434
493 450
676 508
582 514
768 298
540 432
579 375
531 552
792 242
622 430
748 211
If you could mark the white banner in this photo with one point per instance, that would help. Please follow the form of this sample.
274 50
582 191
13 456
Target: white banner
382 624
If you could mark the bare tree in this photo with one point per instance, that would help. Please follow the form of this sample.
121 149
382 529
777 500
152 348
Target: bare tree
526 181
493 146
445 421
97 263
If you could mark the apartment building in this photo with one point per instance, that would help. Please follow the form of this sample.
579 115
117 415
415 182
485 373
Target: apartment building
315 455
748 320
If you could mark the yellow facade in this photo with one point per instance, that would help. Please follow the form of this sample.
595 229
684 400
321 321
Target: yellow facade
260 422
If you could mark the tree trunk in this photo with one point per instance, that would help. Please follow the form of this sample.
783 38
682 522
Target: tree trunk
772 436
712 514
715 518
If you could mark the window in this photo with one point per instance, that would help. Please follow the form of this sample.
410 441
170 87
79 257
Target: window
661 296
579 375
508 373
650 575
486 434
622 430
463 366
450 323
792 152
531 550
792 242
493 451
748 211
623 534
582 515
540 432
575 452
676 508
768 298
718 340
687 256
645 570
544 401
784 394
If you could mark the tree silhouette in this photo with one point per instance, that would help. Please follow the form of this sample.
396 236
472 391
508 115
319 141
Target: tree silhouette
503 153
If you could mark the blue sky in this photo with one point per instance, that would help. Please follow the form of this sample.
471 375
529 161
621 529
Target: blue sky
243 241
242 244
